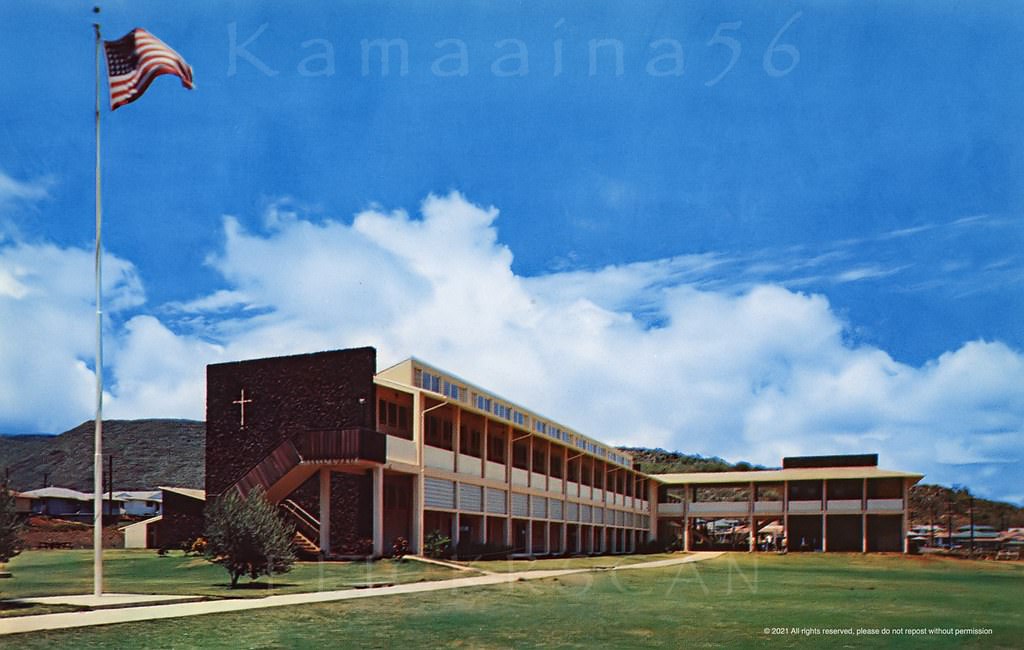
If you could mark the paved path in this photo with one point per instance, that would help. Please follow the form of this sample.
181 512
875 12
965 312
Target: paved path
65 620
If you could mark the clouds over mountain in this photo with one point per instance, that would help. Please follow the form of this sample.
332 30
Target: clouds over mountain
649 353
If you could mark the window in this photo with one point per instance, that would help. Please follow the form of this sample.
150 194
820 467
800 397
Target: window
520 454
469 441
439 433
428 381
884 488
397 496
453 391
483 403
556 463
539 460
518 418
805 490
496 448
394 419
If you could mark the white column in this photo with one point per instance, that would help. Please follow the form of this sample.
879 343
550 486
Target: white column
753 521
824 515
785 514
686 517
864 517
417 512
906 516
325 511
378 511
457 437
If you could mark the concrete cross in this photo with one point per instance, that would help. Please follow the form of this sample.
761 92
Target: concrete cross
241 401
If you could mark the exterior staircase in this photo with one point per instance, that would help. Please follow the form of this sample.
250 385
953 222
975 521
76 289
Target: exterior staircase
307 529
302 455
304 548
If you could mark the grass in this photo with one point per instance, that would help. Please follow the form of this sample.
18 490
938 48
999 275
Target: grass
729 601
51 573
596 562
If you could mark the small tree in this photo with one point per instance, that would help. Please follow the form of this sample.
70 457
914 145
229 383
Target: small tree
437 545
247 536
10 526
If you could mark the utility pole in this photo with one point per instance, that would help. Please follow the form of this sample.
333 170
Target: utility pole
972 524
931 528
949 520
110 483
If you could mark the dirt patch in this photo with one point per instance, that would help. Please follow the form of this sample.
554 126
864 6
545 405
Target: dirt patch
47 532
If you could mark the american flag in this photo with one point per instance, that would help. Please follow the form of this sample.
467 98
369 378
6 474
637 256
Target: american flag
135 60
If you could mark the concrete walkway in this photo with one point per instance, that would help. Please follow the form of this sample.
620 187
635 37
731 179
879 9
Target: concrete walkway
16 625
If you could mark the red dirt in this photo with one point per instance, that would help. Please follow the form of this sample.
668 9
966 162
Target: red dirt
39 531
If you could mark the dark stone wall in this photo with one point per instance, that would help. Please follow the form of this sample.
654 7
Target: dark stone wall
182 521
289 395
351 513
351 509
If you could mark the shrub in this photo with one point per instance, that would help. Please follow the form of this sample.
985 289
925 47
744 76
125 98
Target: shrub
10 526
197 547
675 544
437 545
247 536
399 548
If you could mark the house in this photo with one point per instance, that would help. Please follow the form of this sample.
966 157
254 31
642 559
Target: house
358 459
985 538
1012 540
22 503
140 503
68 503
180 522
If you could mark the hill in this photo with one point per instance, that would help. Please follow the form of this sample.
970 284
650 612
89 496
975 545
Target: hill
934 503
659 461
147 453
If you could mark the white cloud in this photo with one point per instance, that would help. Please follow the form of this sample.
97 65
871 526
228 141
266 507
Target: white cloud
14 190
745 373
47 331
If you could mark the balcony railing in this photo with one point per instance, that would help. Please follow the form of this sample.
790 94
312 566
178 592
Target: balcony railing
341 445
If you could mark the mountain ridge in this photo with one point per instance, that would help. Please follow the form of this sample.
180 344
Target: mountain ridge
147 453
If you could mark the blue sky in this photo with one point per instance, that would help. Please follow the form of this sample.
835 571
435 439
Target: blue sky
858 164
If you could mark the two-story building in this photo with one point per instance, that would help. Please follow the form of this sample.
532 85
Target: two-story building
359 459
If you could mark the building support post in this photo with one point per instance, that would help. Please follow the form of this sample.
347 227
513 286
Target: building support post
325 511
906 518
753 521
417 512
785 516
824 515
378 511
864 517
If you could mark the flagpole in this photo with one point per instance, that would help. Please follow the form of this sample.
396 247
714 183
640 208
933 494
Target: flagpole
97 538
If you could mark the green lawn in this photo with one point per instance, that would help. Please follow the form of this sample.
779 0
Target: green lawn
596 562
50 573
727 601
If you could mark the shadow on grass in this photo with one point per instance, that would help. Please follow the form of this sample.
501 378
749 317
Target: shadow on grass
256 586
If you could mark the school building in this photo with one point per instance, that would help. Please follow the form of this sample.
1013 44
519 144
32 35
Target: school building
359 459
